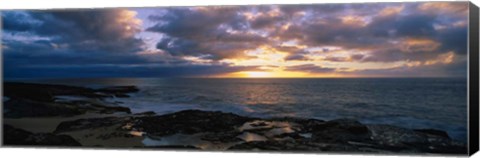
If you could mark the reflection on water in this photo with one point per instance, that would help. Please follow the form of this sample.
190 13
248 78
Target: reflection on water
136 133
250 137
257 130
381 100
187 140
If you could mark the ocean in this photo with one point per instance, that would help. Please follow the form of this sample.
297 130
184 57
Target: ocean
438 103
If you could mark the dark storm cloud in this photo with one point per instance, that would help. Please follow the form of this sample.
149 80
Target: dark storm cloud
144 70
82 30
35 40
415 25
11 22
205 31
454 39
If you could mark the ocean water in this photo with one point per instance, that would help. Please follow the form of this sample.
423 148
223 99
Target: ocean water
439 103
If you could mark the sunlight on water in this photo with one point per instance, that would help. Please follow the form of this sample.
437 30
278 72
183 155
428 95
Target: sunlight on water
251 137
187 140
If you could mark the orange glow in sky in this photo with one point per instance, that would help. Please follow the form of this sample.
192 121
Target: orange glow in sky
276 74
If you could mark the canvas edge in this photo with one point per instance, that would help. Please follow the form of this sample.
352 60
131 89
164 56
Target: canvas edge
1 79
473 77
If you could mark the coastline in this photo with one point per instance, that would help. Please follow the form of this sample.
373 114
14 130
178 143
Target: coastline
81 115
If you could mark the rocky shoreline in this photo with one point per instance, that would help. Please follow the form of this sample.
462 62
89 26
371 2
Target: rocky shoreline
195 129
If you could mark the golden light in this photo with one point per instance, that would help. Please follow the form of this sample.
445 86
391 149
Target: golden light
272 74
256 74
394 10
415 45
354 20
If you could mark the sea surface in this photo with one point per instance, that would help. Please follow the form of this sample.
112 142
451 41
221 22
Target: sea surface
439 103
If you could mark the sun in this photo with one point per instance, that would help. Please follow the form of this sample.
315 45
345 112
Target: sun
256 74
271 74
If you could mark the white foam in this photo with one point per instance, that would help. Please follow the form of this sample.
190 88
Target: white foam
5 99
69 98
306 135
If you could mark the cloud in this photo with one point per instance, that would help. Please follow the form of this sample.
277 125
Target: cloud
107 70
105 30
218 32
222 36
223 33
296 57
295 54
311 68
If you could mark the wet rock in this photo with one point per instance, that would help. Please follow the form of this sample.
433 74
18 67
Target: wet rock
147 113
222 137
251 137
303 146
189 122
15 136
344 135
118 91
430 141
17 108
188 147
433 132
44 92
114 109
91 123
395 136
43 100
340 131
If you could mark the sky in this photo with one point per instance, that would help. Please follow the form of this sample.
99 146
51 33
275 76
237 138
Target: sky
414 39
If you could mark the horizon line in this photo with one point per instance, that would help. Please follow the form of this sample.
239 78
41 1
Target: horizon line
386 77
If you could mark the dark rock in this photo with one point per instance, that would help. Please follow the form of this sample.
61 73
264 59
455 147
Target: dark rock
44 92
90 123
222 137
433 132
188 147
413 140
119 89
39 100
393 136
15 136
310 124
349 125
303 146
114 109
28 108
189 122
342 130
148 113
344 135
